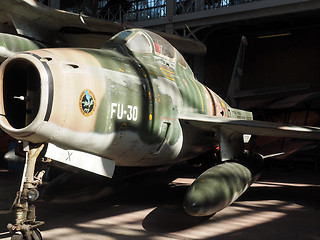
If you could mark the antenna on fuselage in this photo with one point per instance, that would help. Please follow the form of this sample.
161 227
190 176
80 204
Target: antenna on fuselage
237 74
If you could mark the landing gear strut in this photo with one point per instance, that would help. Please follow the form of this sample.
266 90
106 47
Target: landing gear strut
26 226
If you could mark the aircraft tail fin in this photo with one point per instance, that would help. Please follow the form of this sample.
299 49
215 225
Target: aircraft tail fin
236 77
89 7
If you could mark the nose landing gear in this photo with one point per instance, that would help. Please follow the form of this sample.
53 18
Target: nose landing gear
26 226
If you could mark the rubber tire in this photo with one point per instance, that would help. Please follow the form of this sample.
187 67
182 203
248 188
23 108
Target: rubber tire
35 235
17 237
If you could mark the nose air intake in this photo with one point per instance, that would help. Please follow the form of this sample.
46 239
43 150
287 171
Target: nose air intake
21 92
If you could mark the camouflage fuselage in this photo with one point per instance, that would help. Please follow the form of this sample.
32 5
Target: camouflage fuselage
121 102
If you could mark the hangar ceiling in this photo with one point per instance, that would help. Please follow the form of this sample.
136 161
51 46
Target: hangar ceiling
283 38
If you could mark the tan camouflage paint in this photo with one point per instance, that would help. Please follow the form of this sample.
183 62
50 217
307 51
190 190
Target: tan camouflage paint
121 102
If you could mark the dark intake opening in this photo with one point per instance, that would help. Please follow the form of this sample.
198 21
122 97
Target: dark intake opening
21 92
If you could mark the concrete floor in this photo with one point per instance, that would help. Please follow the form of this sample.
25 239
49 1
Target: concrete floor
281 205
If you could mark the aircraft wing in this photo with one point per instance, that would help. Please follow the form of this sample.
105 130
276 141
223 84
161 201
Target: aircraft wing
252 127
229 132
37 21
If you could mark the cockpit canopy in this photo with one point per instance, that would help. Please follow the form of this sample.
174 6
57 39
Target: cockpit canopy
144 41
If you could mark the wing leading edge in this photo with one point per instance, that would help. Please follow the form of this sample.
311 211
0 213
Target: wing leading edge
229 131
252 127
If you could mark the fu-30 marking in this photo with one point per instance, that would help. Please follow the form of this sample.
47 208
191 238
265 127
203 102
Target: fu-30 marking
130 112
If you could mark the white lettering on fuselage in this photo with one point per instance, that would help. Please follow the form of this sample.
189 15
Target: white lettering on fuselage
120 111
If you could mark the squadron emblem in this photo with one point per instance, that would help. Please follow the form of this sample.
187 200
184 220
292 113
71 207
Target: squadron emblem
87 102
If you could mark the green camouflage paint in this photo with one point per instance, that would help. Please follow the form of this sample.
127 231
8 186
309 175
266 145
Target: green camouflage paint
120 102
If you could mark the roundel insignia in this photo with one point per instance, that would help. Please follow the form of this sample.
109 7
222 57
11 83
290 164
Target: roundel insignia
87 102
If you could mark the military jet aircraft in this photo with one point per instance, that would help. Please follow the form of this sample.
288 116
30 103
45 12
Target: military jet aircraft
134 102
